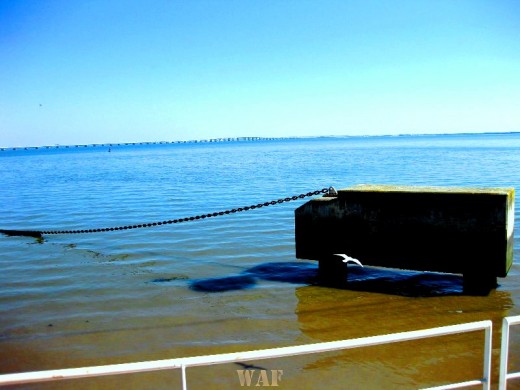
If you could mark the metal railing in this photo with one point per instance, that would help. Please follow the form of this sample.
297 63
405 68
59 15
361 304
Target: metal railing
183 363
504 352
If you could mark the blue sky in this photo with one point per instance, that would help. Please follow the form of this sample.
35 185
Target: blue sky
82 72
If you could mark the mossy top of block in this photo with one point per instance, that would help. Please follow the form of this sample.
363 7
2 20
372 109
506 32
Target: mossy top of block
427 189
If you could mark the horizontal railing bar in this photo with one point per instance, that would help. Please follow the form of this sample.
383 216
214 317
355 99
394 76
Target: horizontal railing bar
125 368
513 375
335 345
457 385
515 320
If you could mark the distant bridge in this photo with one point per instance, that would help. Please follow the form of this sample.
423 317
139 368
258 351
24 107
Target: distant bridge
106 145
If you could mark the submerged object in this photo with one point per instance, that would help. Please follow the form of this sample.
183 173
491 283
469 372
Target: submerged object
23 233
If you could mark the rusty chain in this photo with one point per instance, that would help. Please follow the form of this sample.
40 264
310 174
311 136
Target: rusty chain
37 233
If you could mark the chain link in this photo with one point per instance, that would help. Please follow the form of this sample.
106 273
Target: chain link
329 190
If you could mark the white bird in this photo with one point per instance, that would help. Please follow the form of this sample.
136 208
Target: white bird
347 259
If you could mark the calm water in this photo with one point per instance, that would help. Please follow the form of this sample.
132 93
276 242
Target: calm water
230 283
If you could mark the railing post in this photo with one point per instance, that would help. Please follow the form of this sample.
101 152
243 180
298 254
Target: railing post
504 355
183 375
486 384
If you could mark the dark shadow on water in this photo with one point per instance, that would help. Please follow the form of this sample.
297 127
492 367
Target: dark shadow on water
403 283
385 281
229 283
298 273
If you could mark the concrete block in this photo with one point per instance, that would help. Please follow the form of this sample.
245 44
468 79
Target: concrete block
457 230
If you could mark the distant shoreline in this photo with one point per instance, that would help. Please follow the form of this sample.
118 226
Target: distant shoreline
239 139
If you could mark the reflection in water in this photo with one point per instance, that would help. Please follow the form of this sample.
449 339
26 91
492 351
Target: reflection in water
327 314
